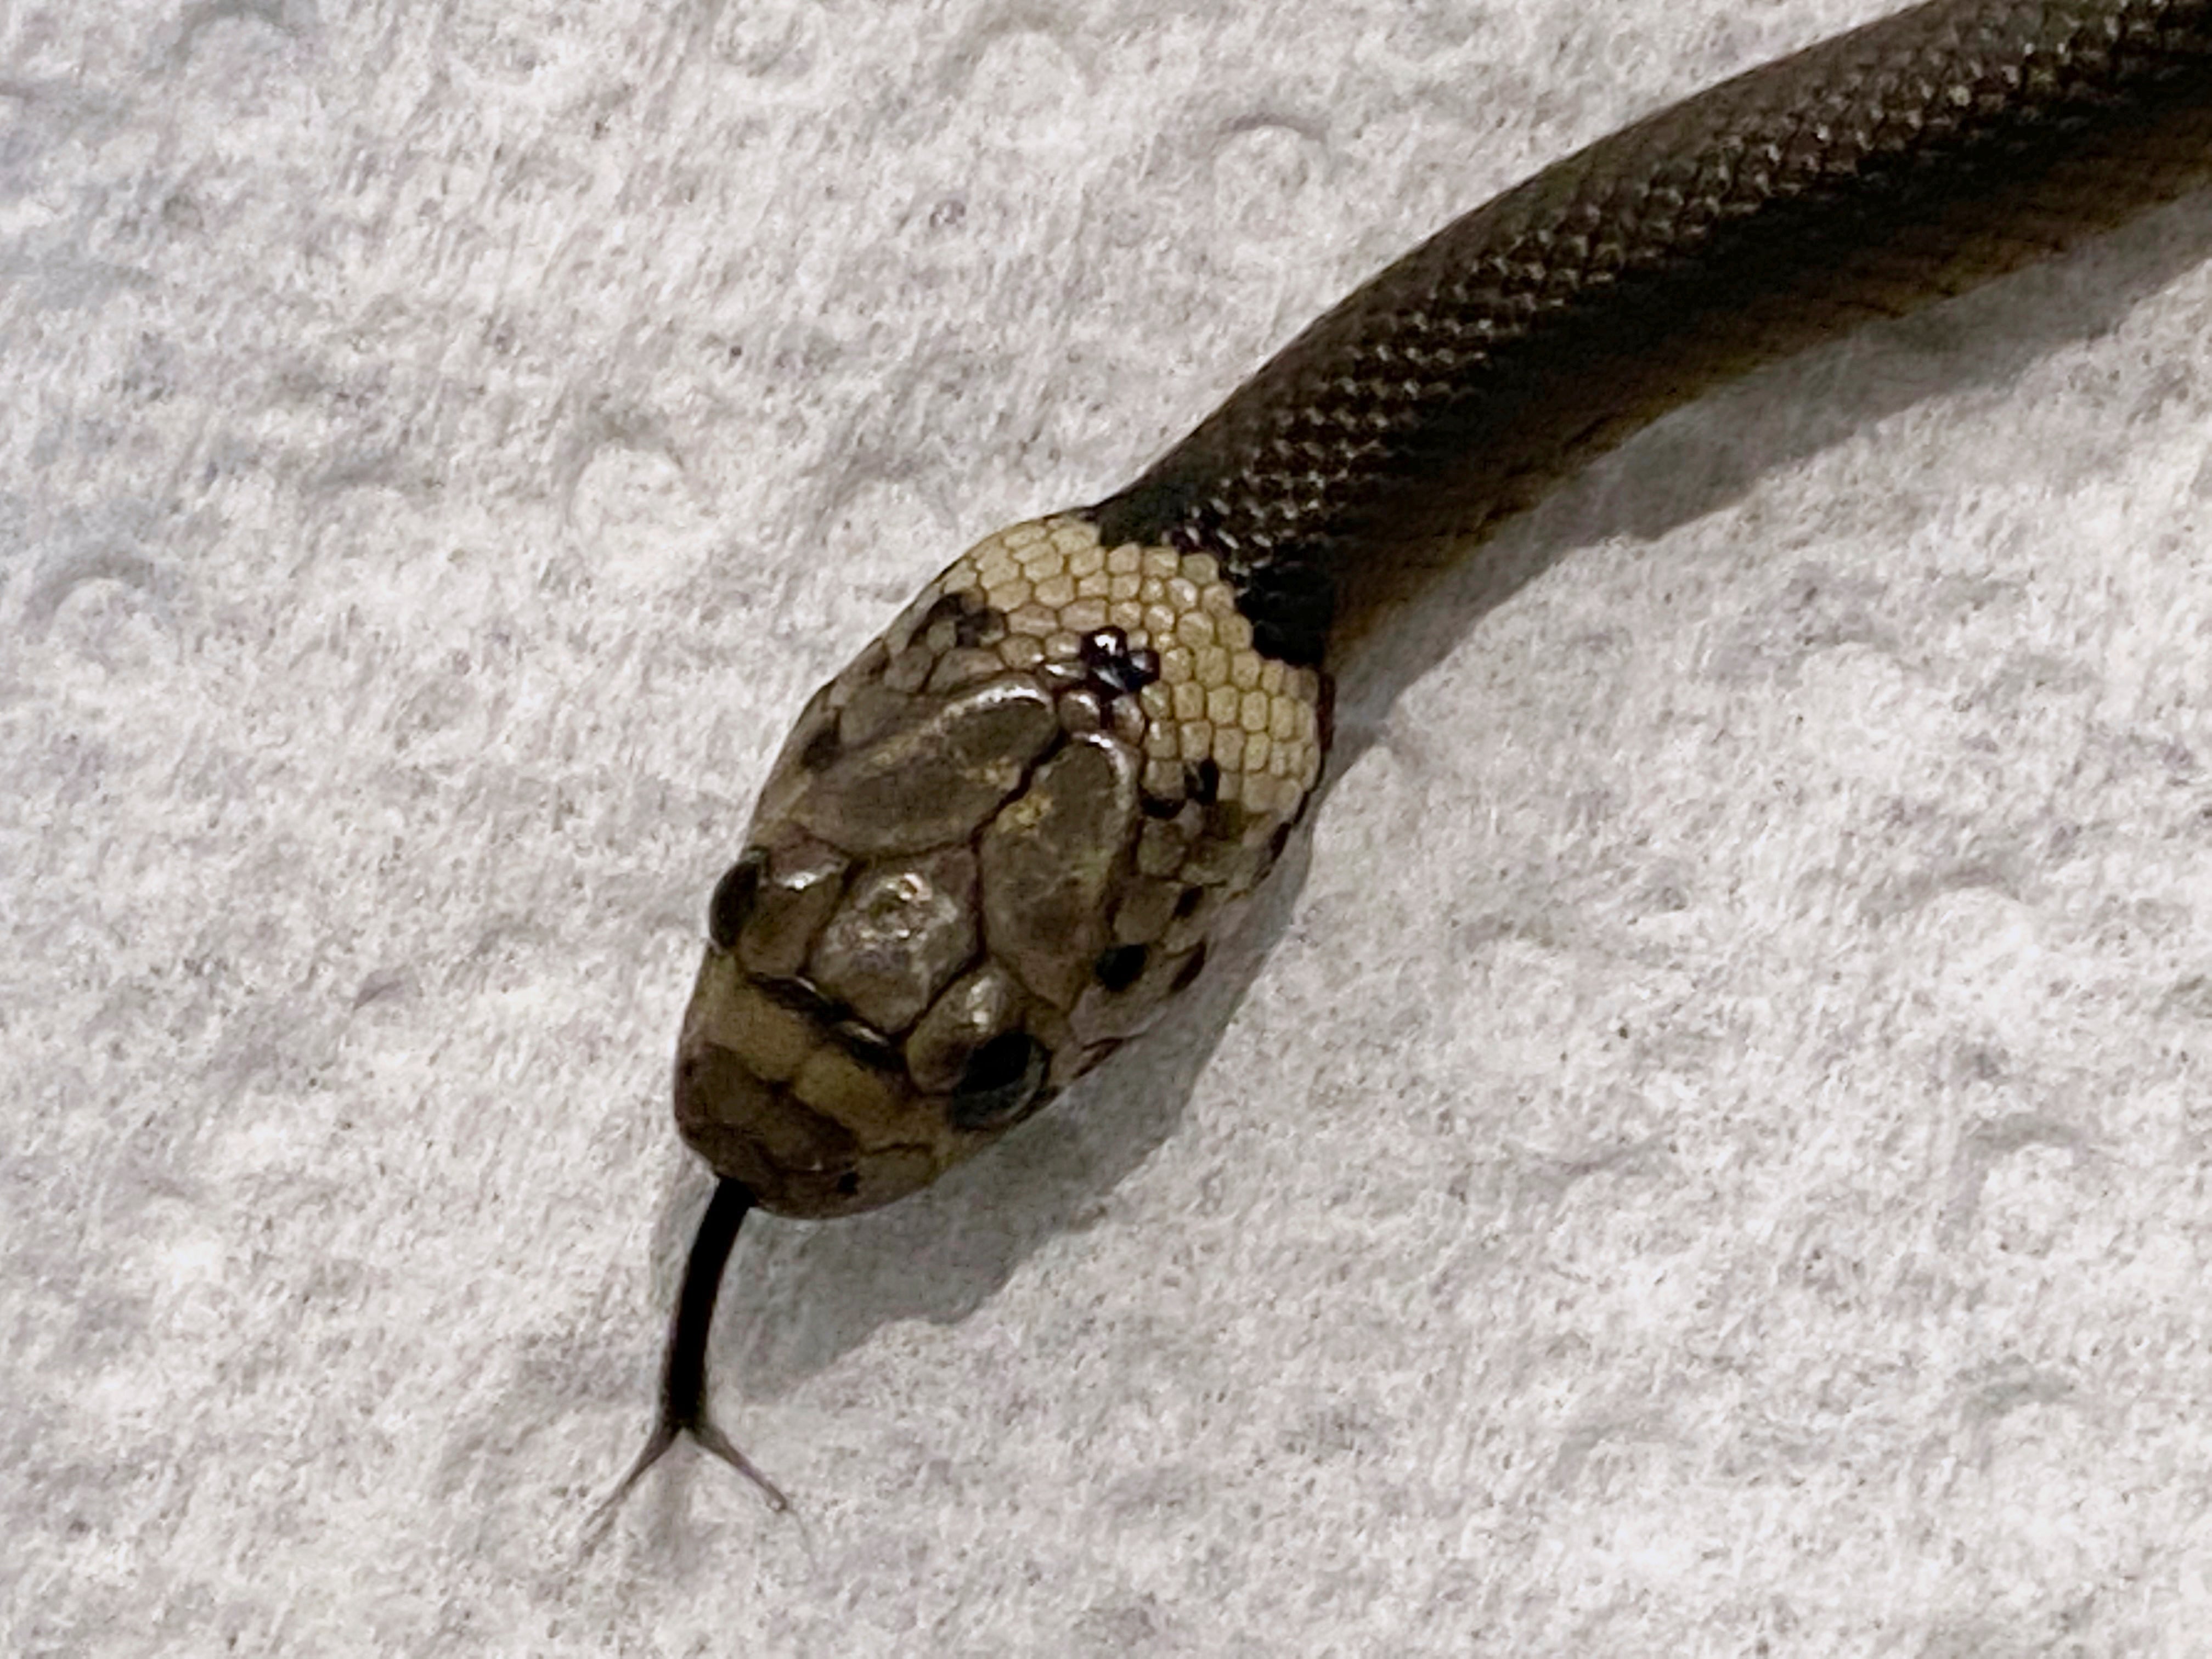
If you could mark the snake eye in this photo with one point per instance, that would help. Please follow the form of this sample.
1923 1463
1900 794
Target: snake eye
1000 1079
733 899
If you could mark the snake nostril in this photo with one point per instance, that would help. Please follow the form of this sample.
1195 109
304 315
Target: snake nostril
1120 967
821 749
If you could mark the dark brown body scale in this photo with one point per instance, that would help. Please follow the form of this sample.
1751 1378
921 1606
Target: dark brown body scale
897 969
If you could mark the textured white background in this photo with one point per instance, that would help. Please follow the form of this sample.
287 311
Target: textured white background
1713 1164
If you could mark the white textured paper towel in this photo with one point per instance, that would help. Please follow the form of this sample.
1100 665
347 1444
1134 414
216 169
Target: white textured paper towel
1712 1163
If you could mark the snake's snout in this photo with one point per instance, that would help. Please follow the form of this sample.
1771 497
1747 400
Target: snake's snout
797 1158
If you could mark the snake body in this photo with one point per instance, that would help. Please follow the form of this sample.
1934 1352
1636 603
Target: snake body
1004 838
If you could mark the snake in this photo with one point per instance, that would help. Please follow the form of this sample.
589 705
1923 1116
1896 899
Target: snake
1010 833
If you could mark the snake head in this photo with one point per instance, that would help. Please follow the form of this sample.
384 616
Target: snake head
991 851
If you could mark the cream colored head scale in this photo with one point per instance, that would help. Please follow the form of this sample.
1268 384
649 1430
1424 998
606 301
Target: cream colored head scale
994 847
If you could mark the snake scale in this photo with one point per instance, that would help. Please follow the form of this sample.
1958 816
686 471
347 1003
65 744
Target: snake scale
1006 836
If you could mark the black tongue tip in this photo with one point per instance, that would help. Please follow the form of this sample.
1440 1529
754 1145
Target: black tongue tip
683 1364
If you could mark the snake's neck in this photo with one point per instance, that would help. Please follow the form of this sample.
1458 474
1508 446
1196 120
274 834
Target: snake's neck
1868 176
